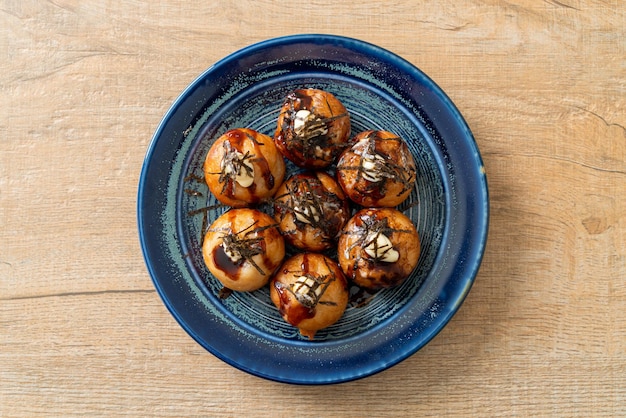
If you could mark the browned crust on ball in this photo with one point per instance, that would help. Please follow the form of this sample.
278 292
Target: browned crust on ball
317 143
358 234
378 170
311 209
310 292
250 151
254 243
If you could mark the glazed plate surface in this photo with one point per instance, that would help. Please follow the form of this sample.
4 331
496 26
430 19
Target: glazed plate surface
449 207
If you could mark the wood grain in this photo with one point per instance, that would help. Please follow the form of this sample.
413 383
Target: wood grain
83 86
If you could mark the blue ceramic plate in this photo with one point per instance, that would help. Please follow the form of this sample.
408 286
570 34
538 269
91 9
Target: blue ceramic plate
449 207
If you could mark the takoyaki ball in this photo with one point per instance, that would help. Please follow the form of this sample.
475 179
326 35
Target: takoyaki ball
313 128
378 248
311 209
243 248
243 167
310 292
377 170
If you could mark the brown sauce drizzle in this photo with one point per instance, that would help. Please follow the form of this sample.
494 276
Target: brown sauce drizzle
224 263
192 192
293 311
194 178
246 243
225 292
360 297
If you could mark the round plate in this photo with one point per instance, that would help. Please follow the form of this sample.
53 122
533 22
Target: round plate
449 207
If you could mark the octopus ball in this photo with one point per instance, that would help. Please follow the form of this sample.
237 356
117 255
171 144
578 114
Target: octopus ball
378 248
310 292
313 128
243 167
243 248
311 209
377 170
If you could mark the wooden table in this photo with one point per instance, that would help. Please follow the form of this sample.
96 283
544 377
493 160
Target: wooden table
84 86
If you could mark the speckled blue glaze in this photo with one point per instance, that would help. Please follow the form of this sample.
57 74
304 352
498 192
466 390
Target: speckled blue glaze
449 207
